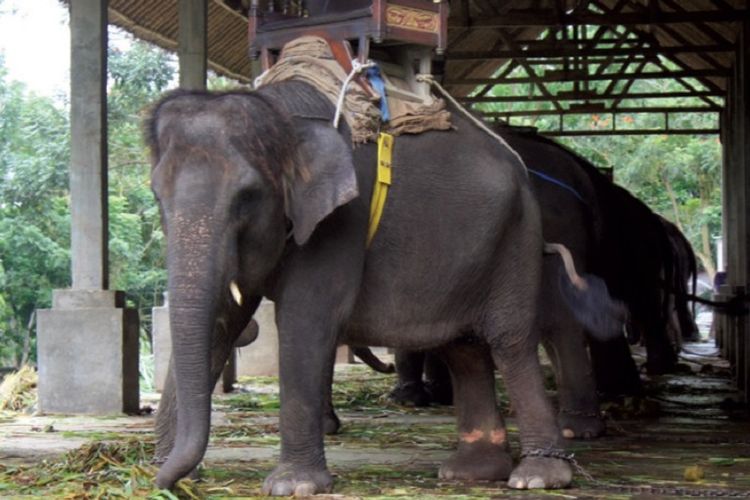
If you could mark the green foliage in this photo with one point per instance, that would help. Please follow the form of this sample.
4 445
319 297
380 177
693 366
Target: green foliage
34 196
678 176
137 76
34 228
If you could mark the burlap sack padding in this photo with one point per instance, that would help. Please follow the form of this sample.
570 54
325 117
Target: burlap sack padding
414 118
309 59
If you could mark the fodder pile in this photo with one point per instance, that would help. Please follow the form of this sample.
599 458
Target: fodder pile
18 390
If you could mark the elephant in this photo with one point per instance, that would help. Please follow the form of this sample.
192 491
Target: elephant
570 215
258 193
580 208
682 318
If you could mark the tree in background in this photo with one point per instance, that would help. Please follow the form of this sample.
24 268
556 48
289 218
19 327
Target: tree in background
137 77
677 176
34 197
34 226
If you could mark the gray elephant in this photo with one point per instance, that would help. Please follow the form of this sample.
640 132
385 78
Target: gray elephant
570 215
259 193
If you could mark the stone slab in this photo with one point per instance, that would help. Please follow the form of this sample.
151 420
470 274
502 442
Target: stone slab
87 299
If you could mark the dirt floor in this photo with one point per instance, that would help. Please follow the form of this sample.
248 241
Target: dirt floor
688 437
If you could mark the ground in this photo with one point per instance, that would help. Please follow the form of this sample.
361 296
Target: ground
687 437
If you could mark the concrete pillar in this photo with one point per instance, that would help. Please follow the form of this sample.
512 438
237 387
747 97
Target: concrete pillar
193 43
87 346
161 339
88 149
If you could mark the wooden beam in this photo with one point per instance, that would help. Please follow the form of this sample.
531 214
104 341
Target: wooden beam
603 111
590 96
567 50
575 76
583 133
528 18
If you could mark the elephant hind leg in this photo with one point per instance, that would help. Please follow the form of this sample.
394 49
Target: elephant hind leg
482 452
511 331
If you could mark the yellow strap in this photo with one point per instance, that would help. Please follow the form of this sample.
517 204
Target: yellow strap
380 192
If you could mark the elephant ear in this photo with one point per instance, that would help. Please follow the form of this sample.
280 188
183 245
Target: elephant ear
327 179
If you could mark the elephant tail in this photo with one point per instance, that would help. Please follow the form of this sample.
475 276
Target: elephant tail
588 298
366 355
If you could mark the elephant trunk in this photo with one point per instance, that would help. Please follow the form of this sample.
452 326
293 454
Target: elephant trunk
193 290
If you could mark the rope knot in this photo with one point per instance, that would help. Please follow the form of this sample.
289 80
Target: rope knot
357 68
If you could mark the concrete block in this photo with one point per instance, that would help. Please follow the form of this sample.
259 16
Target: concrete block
161 344
262 356
87 299
344 355
87 355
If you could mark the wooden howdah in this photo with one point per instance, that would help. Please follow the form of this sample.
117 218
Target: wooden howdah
383 22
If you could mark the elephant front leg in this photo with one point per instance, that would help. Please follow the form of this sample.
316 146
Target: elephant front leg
543 463
305 367
483 452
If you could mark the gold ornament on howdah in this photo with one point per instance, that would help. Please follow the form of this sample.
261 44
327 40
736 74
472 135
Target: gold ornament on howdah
412 19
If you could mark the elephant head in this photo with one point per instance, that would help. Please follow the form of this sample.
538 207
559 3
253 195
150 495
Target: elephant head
235 177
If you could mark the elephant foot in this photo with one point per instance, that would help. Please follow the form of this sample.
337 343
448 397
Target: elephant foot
410 394
331 423
480 461
290 480
541 472
579 425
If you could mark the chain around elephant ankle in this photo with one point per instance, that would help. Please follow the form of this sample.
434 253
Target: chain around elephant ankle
560 454
576 413
549 453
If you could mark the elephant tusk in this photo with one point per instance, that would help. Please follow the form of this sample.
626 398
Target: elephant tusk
236 295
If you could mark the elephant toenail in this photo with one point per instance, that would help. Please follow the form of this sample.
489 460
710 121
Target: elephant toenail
305 489
536 483
517 484
282 489
588 435
447 474
568 433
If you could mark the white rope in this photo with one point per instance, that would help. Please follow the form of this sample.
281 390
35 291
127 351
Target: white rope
259 79
357 68
479 123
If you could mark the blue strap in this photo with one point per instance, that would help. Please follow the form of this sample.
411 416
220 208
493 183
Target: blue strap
557 183
377 83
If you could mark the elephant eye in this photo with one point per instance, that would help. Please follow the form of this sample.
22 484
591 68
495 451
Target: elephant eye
246 201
